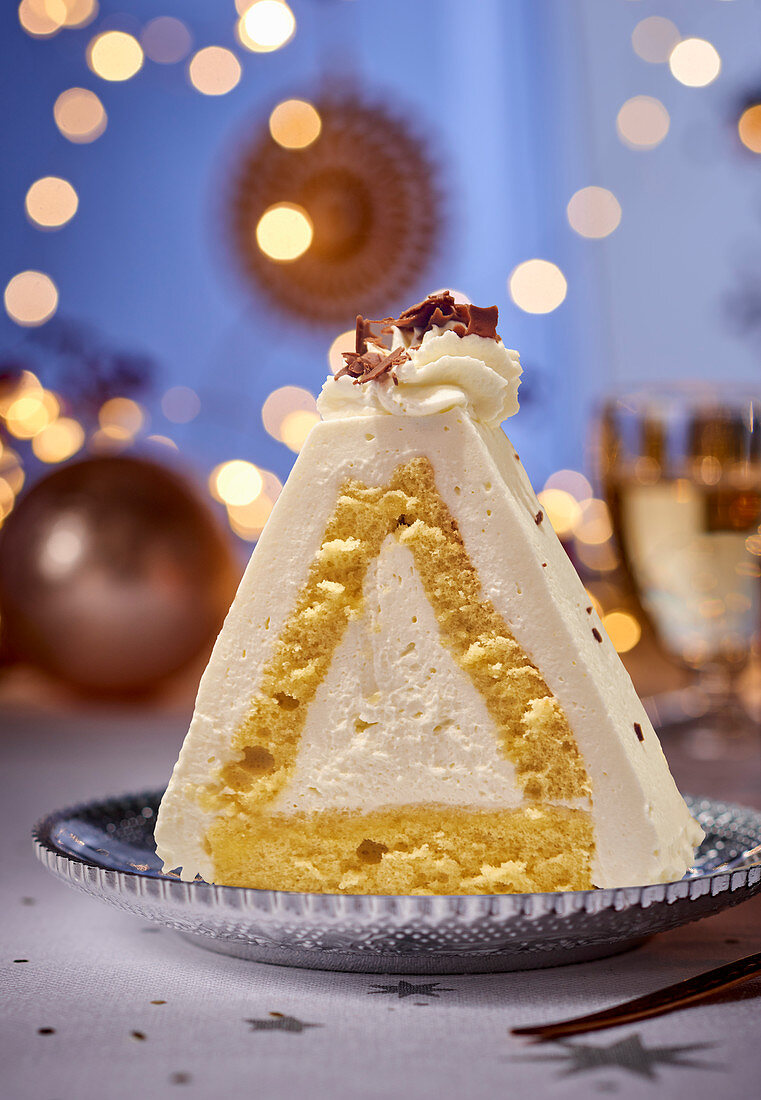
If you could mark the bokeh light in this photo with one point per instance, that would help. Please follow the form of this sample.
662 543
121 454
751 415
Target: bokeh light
753 544
286 402
79 12
166 40
273 486
248 520
595 525
622 629
80 115
121 418
59 440
570 481
561 509
31 412
51 202
180 404
42 18
537 286
345 341
266 25
214 70
115 55
284 232
296 427
11 470
749 128
31 298
654 38
600 557
7 499
295 124
236 482
26 384
162 441
642 122
594 212
695 62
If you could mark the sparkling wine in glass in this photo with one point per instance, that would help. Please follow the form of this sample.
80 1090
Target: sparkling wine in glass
681 469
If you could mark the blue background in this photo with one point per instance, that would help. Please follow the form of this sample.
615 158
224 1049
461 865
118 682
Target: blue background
517 100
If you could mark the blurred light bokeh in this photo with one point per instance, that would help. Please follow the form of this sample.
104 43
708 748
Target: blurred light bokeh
597 166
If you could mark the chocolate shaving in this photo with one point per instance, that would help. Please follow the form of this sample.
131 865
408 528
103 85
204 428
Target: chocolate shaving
440 309
596 634
638 731
538 517
483 321
436 311
371 365
365 333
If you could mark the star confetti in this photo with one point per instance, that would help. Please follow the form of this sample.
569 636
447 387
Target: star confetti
279 1022
627 1054
407 989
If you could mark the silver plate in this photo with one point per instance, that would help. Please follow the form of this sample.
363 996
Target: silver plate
107 849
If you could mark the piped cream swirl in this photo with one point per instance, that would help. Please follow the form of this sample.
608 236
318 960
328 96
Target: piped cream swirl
447 371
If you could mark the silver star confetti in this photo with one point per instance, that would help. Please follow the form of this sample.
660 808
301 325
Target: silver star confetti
408 989
628 1054
279 1022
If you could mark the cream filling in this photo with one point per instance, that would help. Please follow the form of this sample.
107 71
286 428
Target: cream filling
396 721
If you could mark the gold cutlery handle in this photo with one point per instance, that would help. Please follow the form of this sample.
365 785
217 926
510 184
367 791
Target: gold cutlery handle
652 1004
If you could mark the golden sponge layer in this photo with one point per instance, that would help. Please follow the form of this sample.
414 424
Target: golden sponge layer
407 850
532 729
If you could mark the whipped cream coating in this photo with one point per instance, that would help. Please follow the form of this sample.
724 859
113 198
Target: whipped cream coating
473 373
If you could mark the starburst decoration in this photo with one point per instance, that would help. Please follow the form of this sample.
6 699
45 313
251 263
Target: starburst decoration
409 989
278 1022
370 189
628 1054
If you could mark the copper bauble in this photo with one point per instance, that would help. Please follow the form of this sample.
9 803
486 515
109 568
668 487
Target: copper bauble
113 575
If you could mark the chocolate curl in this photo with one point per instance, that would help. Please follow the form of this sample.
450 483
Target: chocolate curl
364 333
438 310
482 321
371 365
435 311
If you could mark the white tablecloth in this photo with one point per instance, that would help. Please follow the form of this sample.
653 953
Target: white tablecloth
105 1006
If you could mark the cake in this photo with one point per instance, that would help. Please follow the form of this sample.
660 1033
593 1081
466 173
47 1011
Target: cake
412 692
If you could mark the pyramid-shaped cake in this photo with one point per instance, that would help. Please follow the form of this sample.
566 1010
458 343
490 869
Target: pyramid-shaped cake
411 692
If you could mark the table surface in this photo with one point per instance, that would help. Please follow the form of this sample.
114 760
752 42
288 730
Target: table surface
99 1004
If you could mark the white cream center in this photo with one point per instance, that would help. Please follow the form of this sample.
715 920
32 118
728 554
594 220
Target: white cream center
396 721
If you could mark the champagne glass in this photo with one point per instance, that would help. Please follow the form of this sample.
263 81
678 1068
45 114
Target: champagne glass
681 471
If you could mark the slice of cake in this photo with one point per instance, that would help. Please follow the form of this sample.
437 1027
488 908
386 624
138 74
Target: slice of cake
411 692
